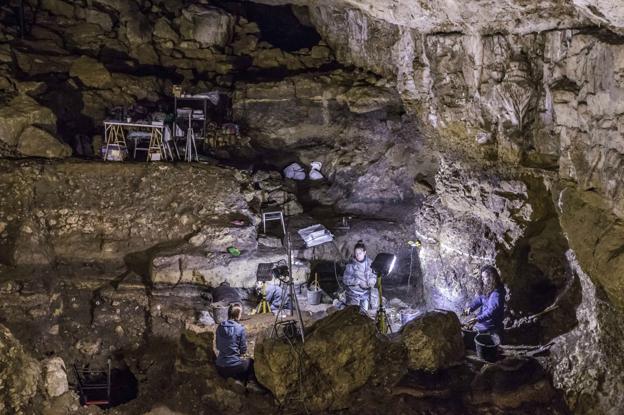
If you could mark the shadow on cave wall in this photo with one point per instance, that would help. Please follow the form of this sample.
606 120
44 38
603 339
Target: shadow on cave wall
543 292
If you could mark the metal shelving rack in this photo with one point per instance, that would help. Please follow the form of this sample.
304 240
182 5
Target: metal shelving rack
184 124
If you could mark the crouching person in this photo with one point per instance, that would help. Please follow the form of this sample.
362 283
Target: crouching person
359 280
491 304
232 345
274 295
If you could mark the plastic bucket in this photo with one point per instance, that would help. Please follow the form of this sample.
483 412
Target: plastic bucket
314 297
487 346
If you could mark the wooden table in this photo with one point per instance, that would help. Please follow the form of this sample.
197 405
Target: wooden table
114 134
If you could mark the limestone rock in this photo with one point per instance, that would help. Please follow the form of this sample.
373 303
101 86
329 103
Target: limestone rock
285 113
21 112
465 17
162 29
58 7
194 350
208 268
162 410
460 237
582 364
594 234
270 242
38 64
29 246
35 142
273 58
145 54
339 356
91 72
55 377
511 383
20 375
74 232
100 18
89 347
86 37
33 88
433 341
209 26
5 54
218 239
138 28
367 99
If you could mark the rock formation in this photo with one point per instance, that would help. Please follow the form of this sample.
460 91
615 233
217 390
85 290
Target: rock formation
490 131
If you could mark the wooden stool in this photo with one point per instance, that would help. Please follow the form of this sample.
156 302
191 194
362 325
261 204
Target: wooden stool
273 214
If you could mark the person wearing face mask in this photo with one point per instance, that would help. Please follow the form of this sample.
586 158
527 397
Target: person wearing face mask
359 279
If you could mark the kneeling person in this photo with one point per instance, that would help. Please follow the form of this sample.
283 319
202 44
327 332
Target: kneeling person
491 303
232 345
274 294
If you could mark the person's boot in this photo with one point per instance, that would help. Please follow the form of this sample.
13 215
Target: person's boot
255 387
236 385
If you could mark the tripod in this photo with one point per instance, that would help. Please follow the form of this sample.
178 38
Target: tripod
190 147
263 306
294 303
381 318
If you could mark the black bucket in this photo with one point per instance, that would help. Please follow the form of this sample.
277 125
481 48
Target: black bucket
487 346
469 338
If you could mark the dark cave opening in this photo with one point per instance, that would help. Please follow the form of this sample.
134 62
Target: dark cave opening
98 386
278 25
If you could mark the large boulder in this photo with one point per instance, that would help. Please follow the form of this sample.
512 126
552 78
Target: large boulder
206 25
55 377
433 341
91 72
19 375
35 142
38 63
340 355
20 113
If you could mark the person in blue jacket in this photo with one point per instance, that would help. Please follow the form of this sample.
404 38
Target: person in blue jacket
490 304
274 295
232 345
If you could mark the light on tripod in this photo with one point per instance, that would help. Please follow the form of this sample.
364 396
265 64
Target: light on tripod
280 272
383 264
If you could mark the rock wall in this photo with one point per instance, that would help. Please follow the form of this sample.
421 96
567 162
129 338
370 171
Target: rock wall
81 59
510 151
351 122
583 364
76 211
491 217
20 375
538 107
